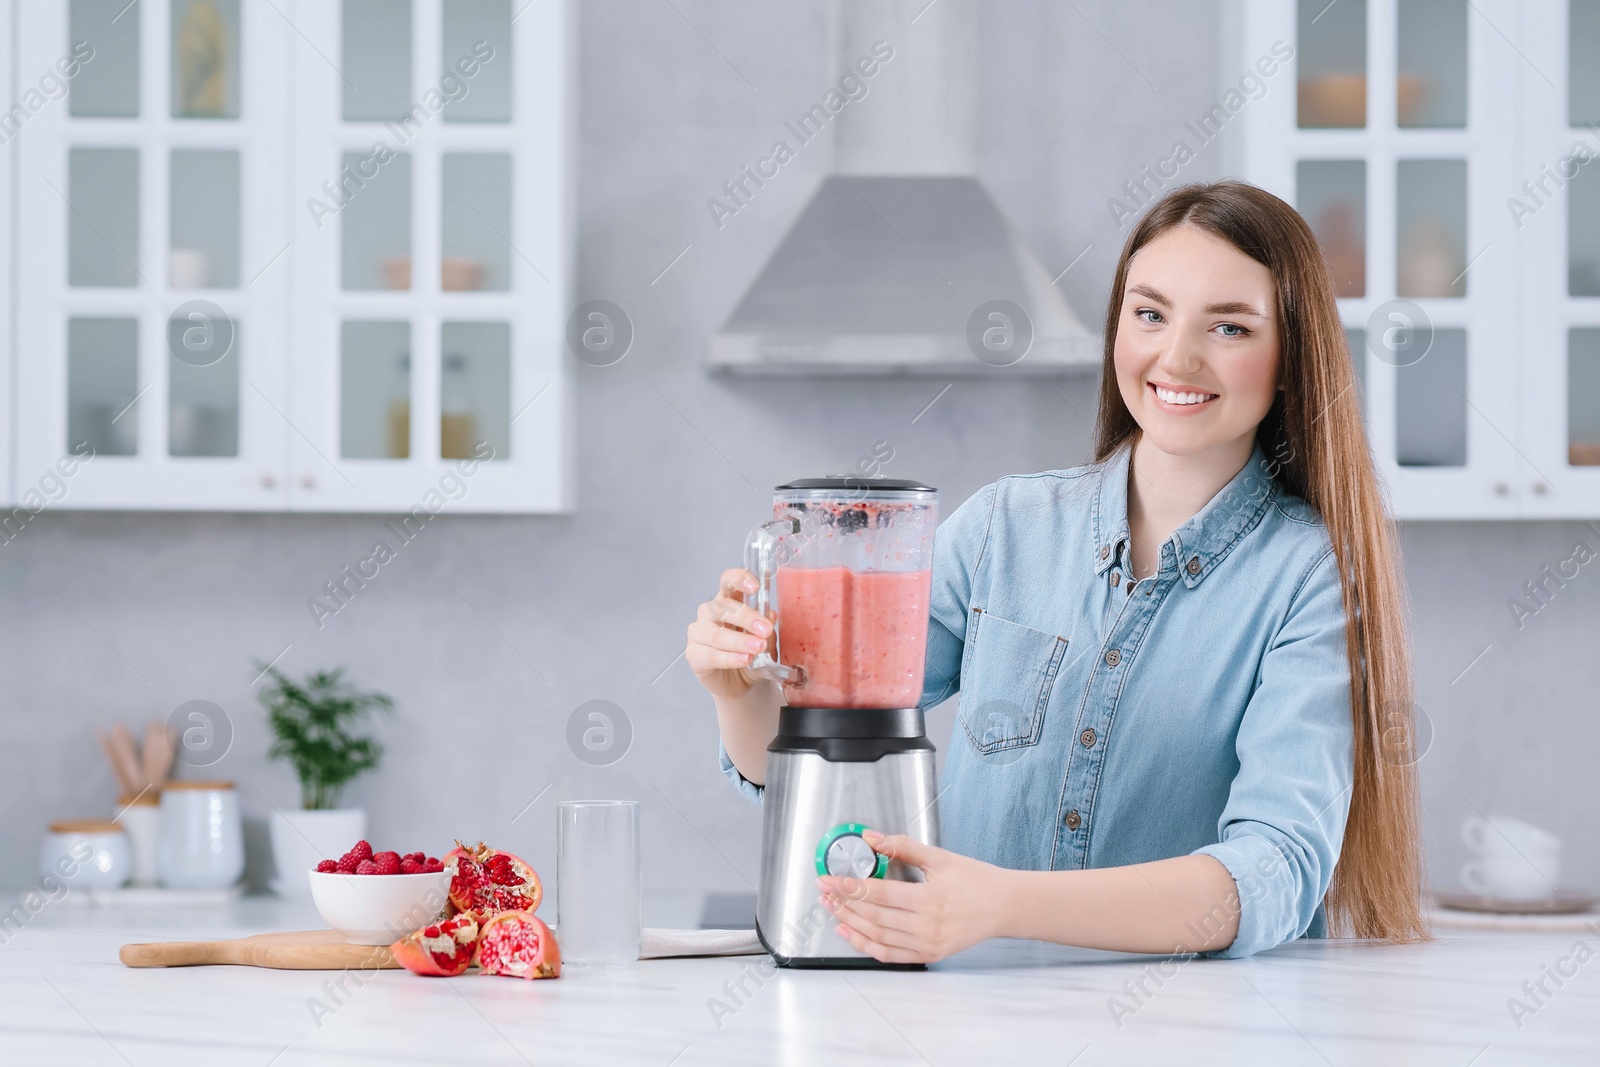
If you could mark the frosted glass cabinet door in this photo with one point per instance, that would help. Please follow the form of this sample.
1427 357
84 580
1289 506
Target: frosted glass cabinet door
203 245
107 33
204 80
1332 195
376 49
1583 396
1431 64
151 239
432 263
103 227
1431 227
1332 50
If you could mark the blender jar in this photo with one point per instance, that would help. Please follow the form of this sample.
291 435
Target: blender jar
844 570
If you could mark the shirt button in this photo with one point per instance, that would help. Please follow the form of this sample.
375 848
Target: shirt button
1074 820
1194 565
1087 737
1105 550
1116 578
1113 658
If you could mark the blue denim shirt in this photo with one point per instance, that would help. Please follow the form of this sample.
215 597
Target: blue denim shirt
1102 722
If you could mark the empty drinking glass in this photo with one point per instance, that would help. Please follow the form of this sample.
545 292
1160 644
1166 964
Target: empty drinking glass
597 882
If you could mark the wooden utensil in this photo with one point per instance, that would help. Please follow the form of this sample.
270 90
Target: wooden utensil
127 755
157 755
126 785
301 950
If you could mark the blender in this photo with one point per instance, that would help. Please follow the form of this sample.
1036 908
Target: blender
844 570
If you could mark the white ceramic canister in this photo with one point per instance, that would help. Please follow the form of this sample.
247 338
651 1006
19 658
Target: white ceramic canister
86 854
201 841
140 816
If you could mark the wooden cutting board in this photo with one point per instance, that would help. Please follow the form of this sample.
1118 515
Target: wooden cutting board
301 950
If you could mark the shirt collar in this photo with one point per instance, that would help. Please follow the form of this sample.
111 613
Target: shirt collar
1200 543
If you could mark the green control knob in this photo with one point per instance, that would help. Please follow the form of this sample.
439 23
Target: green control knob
844 853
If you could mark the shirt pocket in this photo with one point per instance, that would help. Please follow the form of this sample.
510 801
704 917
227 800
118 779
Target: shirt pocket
1006 680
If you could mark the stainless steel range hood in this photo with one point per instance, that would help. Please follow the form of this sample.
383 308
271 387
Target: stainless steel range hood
901 245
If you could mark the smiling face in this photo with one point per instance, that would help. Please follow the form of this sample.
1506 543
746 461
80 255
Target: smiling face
1197 343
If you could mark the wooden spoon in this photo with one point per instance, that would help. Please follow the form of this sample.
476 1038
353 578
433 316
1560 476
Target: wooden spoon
122 744
157 755
123 783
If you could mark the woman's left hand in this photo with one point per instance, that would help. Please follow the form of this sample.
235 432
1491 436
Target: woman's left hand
916 922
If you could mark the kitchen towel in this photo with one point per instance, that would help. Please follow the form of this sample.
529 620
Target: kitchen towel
658 943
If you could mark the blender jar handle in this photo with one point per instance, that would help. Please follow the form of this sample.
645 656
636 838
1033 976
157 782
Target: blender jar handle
760 550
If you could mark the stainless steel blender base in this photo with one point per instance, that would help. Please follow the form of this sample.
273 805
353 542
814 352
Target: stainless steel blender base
825 789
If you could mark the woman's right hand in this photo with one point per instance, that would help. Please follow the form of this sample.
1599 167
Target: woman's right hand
725 635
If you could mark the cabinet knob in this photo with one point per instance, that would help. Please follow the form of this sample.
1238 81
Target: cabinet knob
1501 488
269 481
308 480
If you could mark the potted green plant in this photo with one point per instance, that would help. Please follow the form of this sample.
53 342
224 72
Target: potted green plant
312 725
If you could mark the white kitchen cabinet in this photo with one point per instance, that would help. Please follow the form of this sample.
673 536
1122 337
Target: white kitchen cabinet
1401 129
1559 294
150 326
430 230
231 320
10 126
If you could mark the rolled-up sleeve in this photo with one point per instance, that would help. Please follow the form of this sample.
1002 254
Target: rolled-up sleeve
746 786
1280 832
958 546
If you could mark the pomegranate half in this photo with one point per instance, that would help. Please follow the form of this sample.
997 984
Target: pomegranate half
488 882
517 945
443 949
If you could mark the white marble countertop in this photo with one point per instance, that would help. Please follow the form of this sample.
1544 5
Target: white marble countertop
66 1000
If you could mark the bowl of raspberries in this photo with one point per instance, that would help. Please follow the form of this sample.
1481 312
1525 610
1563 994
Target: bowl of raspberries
374 898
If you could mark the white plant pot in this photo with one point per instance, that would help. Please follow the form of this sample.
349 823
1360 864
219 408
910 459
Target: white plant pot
302 839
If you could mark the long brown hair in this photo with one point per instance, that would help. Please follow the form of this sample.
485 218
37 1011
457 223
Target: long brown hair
1317 440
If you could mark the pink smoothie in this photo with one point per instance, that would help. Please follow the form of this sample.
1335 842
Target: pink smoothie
860 636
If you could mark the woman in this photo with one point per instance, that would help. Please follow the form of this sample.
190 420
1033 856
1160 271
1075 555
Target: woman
1184 722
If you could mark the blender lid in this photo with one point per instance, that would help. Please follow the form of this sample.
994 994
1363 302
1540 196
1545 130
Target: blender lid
857 481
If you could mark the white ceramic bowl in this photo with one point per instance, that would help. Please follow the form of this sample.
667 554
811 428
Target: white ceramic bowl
379 909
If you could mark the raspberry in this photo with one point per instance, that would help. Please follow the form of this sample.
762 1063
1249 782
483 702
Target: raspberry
428 861
414 857
410 866
347 864
366 867
433 867
361 851
387 863
328 866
